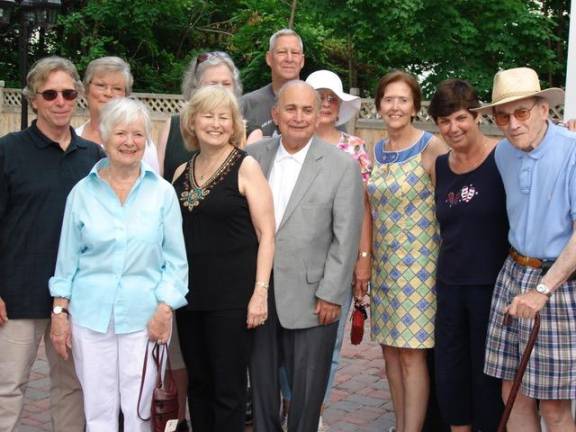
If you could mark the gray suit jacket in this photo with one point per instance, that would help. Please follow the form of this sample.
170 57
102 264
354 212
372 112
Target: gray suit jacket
317 240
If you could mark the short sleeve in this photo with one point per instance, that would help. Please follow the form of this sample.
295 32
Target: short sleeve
571 180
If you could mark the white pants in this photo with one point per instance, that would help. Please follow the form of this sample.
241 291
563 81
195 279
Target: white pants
109 367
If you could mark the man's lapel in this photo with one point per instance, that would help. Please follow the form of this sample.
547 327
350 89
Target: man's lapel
310 169
269 155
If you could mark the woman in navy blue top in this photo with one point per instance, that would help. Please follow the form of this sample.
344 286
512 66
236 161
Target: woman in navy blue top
471 211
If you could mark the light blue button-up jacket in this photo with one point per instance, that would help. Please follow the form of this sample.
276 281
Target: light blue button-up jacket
119 261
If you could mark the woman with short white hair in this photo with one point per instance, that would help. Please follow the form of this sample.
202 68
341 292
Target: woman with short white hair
121 271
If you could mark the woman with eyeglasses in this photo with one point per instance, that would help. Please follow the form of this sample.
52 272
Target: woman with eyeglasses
471 212
338 108
107 78
404 247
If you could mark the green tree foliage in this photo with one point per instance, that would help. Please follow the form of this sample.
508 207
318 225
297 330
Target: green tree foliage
359 39
158 38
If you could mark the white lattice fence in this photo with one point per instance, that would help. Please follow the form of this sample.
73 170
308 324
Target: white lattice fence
368 111
368 124
172 103
158 103
161 103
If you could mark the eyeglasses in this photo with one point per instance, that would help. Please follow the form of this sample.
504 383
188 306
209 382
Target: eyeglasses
331 99
102 88
521 114
50 95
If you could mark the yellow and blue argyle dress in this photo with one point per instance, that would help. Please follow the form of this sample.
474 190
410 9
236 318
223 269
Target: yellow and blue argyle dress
405 248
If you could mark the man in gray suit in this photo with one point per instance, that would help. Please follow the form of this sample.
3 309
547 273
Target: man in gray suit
317 191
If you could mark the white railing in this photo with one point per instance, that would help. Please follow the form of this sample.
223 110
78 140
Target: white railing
157 103
162 105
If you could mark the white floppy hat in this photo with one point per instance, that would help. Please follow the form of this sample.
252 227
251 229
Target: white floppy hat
350 105
519 83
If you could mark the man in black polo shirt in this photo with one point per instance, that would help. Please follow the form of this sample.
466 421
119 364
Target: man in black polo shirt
38 167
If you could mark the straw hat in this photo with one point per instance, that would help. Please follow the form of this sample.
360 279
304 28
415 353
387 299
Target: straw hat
349 106
519 83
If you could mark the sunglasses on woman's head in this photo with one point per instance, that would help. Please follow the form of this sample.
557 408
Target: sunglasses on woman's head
50 95
201 58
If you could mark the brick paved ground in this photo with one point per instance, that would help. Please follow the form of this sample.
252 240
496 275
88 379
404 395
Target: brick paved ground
360 399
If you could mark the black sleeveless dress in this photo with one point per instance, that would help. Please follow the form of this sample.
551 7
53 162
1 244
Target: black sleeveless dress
221 242
175 153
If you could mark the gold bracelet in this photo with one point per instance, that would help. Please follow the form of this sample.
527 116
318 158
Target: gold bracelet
262 284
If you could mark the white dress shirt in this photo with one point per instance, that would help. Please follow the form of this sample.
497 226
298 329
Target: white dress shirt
283 176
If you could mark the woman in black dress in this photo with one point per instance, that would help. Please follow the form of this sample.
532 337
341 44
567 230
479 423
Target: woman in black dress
471 211
228 222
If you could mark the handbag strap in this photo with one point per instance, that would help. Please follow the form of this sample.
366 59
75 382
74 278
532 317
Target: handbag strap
158 352
520 371
142 384
157 357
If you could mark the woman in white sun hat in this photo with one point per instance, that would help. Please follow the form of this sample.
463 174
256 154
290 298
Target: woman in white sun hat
337 108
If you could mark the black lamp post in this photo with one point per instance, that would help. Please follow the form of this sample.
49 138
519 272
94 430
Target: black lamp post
5 11
30 14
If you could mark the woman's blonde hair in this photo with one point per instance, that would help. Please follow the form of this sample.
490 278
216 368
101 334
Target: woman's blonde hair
206 99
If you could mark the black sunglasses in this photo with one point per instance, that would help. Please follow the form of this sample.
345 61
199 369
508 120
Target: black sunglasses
67 94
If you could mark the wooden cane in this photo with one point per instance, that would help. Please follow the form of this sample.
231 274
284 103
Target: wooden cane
520 371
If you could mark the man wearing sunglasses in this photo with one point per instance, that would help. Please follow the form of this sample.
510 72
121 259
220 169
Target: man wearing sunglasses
38 167
537 162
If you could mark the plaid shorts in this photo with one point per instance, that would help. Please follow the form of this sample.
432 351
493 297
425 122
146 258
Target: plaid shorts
551 371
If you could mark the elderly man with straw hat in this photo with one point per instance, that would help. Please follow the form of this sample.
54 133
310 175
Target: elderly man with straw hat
537 162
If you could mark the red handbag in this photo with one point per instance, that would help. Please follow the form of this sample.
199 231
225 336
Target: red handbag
359 315
164 398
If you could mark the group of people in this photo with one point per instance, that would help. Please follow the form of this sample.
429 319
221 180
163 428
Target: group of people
242 238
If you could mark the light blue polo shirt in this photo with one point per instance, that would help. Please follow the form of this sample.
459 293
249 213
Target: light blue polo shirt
540 192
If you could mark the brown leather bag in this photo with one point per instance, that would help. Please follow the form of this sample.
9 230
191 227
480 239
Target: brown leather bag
164 398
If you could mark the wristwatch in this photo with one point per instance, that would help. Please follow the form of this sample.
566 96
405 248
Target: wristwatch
57 310
543 289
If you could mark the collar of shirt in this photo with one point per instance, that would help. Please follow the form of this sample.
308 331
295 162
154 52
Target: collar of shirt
299 157
271 89
42 141
145 170
544 144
